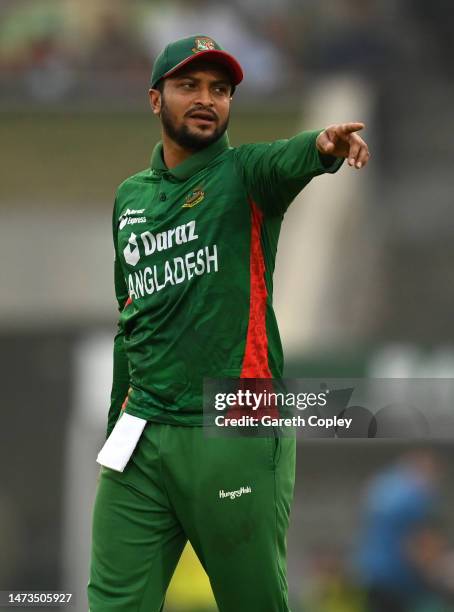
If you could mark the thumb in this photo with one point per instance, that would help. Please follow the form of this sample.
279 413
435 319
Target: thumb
329 146
324 144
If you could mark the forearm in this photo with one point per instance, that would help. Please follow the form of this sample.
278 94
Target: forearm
300 158
120 381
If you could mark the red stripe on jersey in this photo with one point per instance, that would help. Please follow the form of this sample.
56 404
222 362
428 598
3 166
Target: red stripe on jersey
255 360
125 403
128 301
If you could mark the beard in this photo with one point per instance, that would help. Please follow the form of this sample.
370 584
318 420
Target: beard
183 135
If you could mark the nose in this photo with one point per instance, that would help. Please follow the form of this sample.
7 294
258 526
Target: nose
204 96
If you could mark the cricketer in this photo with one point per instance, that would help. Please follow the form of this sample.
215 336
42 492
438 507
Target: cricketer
195 238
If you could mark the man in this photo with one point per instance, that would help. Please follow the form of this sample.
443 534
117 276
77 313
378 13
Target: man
195 238
400 546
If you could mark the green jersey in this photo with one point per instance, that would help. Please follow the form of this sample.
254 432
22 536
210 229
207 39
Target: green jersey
195 248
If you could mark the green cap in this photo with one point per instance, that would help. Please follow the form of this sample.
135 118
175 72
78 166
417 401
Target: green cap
181 52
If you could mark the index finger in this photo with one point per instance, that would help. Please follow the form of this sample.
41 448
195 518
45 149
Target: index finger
352 127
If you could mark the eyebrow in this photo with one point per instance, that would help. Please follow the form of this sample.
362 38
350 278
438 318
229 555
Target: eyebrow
193 78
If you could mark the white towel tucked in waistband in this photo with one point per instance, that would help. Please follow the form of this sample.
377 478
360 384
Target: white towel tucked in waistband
121 443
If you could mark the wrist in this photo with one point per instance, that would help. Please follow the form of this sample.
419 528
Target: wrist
326 159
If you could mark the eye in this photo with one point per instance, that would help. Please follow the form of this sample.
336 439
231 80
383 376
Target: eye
222 90
188 85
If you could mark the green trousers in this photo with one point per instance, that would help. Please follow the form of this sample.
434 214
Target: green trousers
230 497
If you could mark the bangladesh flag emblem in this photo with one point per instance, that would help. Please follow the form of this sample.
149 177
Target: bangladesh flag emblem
203 44
193 198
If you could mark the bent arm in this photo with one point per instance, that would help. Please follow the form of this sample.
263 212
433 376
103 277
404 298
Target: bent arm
120 377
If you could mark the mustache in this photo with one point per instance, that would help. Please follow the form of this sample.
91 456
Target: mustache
199 109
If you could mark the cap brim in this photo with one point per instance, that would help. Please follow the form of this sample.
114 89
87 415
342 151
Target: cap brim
217 56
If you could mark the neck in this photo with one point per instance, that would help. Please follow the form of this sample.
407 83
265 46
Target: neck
173 153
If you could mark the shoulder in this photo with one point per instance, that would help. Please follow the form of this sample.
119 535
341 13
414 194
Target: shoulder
134 181
255 151
250 147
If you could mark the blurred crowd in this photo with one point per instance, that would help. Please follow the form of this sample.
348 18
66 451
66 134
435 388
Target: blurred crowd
401 559
55 50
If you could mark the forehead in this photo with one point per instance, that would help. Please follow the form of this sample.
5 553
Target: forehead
200 69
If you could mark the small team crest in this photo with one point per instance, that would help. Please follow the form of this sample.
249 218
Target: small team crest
193 198
203 44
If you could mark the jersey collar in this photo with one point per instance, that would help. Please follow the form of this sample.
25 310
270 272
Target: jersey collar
192 164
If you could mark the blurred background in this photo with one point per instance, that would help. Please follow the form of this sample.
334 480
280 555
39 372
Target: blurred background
362 280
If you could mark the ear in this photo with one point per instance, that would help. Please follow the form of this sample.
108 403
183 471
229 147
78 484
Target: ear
155 100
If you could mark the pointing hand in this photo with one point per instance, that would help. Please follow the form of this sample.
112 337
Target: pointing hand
342 141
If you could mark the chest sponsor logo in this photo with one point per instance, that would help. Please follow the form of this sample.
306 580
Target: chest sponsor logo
163 273
160 241
131 217
194 198
131 251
